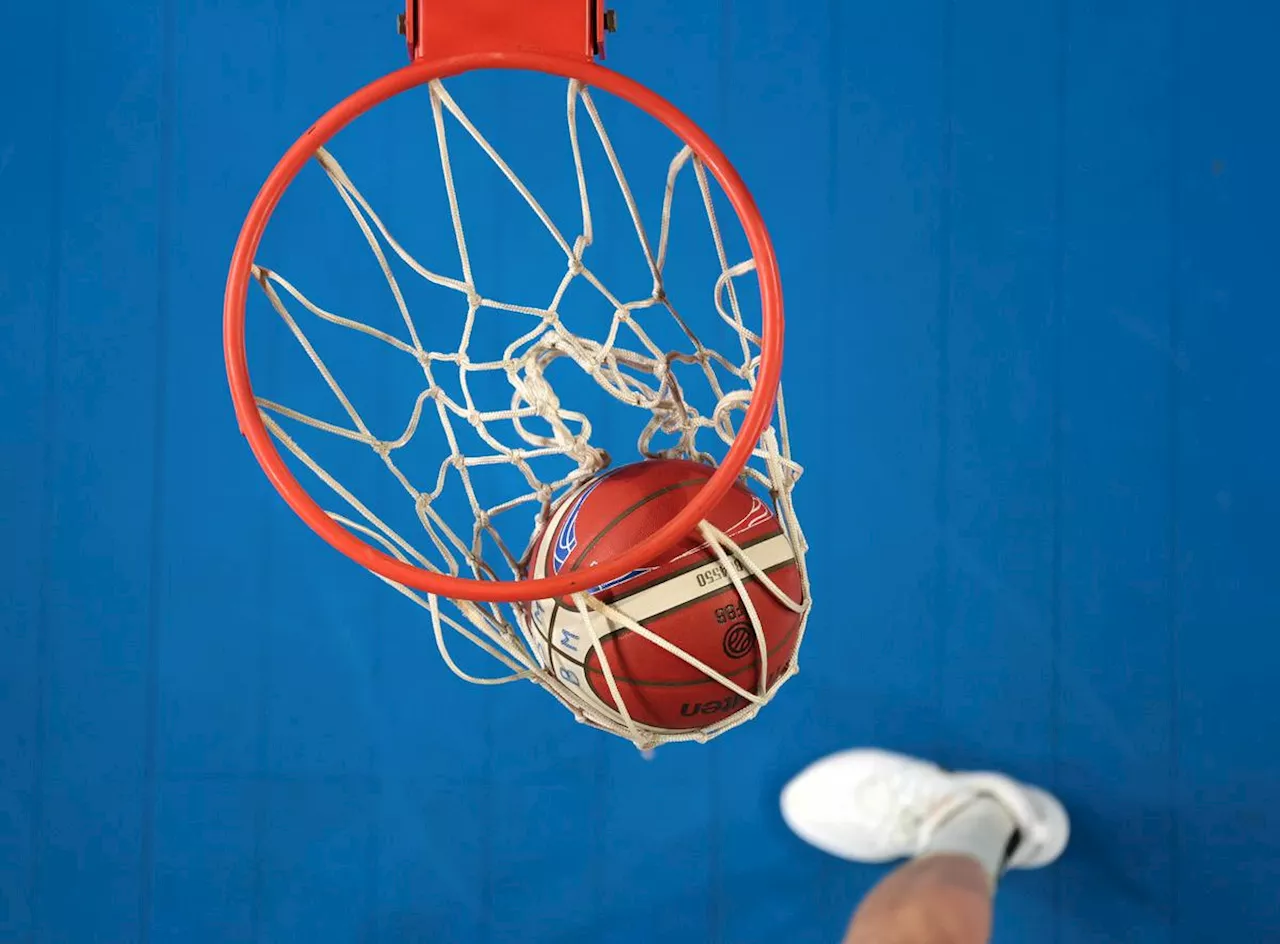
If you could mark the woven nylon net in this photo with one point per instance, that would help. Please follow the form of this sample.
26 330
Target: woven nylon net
532 430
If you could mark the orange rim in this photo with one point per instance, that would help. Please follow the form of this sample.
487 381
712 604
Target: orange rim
263 445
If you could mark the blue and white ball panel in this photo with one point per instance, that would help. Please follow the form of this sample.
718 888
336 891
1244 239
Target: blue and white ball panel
564 656
537 556
574 675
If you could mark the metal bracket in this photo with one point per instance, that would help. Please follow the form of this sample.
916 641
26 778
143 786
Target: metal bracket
574 29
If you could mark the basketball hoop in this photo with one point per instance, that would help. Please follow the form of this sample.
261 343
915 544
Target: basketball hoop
561 38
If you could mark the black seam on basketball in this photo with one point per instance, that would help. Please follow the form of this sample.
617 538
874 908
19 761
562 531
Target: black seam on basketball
551 621
622 515
711 558
705 680
605 697
590 673
551 647
586 691
623 630
554 538
748 579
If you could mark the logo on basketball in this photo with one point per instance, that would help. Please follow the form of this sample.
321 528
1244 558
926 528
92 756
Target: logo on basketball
739 640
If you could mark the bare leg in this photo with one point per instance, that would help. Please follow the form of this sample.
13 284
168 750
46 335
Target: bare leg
960 831
941 899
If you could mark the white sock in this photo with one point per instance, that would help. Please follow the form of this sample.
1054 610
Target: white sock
983 830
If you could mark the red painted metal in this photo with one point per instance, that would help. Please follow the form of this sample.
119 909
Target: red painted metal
442 29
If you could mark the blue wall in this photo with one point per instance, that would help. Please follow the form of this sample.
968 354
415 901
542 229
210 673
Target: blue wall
1035 243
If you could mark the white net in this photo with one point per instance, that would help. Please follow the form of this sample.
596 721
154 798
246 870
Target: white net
531 431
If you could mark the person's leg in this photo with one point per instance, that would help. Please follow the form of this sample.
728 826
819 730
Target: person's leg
961 830
939 900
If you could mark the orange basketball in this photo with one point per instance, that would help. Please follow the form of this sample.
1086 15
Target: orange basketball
687 597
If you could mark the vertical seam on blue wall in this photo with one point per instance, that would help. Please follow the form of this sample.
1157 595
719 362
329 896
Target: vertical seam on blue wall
1056 435
833 126
487 806
378 788
826 495
261 786
830 870
374 805
44 617
376 801
373 845
259 779
377 784
1174 445
598 859
164 180
715 823
488 785
941 504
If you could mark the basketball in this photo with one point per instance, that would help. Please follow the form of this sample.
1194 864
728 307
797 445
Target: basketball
687 597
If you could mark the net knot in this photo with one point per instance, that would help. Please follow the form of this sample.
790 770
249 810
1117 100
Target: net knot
535 391
670 423
586 455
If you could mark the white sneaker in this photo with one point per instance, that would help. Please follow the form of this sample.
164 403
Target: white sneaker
876 806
